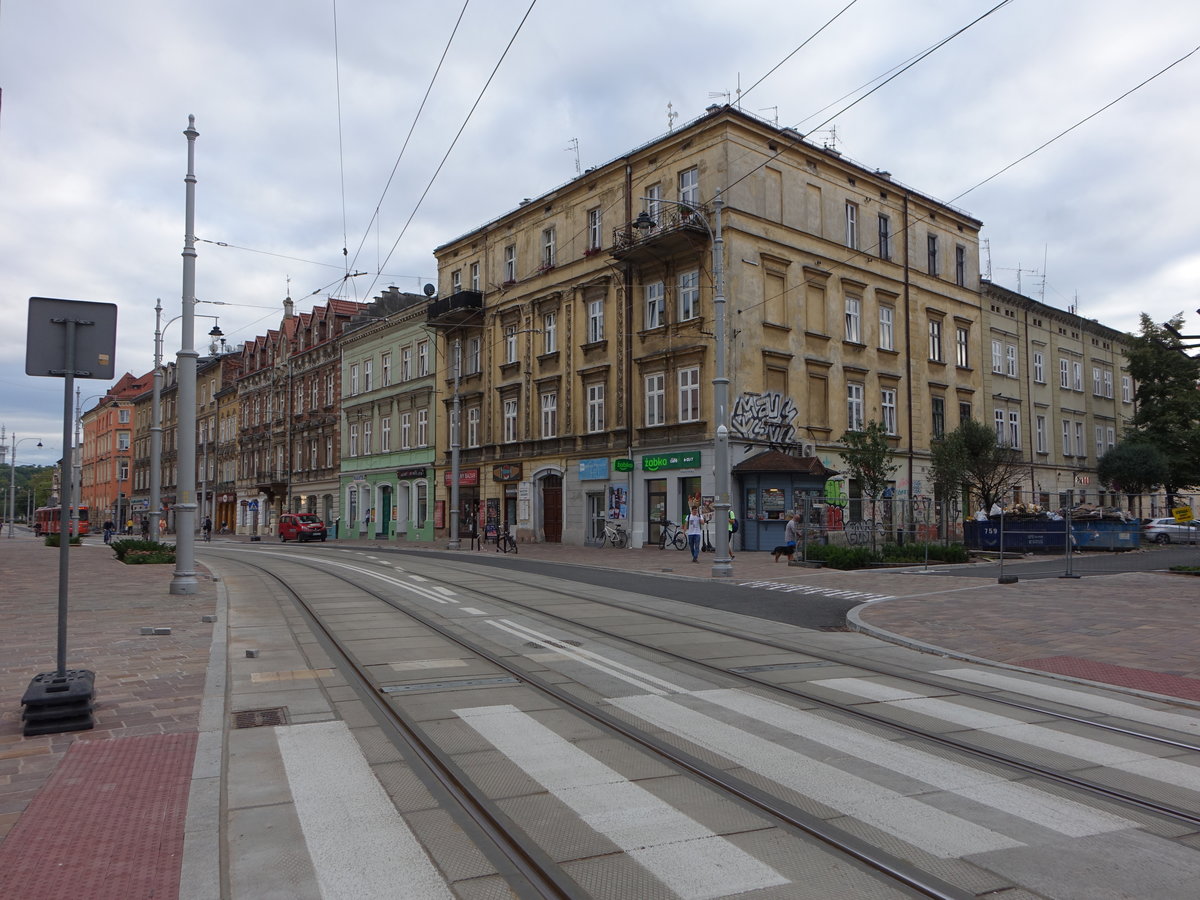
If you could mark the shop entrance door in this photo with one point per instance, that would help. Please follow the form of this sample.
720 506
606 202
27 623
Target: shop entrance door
552 509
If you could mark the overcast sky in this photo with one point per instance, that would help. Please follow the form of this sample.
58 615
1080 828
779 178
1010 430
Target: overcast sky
96 97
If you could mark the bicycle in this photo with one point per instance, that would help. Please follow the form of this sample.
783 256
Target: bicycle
505 543
671 536
614 534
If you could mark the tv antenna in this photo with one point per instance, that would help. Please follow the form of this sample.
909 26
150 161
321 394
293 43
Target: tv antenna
574 142
671 117
775 111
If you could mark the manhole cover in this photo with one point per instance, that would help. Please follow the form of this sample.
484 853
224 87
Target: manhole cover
538 644
259 718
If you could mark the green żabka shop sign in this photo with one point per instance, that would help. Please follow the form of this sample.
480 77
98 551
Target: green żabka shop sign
689 459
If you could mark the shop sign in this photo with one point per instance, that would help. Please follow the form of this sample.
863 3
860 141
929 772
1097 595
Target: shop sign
466 477
506 472
623 465
687 459
226 498
412 472
593 469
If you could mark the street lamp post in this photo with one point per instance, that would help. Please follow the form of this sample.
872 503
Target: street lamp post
12 482
723 562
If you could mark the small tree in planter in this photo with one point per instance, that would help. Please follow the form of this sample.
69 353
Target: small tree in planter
867 458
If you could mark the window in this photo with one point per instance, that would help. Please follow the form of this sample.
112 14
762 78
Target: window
368 446
423 357
550 414
329 451
1080 447
1010 360
997 357
386 367
1077 376
405 431
962 346
422 428
654 304
385 436
887 333
1064 373
1000 416
316 391
1066 437
938 410
935 340
1099 441
406 363
1108 384
123 470
122 440
887 408
353 439
595 320
510 344
853 320
367 367
1111 435
123 416
689 295
1096 382
852 225
689 394
689 186
1039 367
960 265
510 263
1126 389
1039 424
653 204
473 426
550 332
329 389
964 411
474 346
474 276
353 384
885 237
595 408
655 400
594 228
510 421
931 246
548 241
854 407
456 281
1014 429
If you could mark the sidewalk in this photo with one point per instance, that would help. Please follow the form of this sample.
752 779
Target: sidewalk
127 831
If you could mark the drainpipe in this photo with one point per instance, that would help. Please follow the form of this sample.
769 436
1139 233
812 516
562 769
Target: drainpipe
908 363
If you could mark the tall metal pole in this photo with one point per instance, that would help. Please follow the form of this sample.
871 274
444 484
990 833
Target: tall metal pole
12 484
455 446
722 562
156 428
184 580
64 507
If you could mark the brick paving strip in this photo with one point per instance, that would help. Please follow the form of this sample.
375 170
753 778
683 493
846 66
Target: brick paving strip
107 826
1124 676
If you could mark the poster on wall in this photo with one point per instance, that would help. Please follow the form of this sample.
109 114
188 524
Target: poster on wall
618 501
439 514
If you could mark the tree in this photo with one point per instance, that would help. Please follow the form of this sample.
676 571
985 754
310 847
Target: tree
1168 402
1132 467
971 456
867 458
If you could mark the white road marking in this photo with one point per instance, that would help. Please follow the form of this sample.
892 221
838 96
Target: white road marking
359 845
427 664
1015 798
1114 757
944 835
687 857
1077 697
470 610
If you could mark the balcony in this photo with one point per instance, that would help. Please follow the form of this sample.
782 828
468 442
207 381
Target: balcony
271 483
460 308
674 230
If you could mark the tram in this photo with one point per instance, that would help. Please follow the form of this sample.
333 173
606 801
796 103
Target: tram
46 520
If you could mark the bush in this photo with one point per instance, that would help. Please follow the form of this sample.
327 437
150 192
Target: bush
164 554
954 553
124 548
53 541
838 557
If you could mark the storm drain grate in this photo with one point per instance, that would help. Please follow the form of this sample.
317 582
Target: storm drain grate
259 718
536 645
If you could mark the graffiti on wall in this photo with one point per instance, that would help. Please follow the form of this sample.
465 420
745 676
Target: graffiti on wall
767 418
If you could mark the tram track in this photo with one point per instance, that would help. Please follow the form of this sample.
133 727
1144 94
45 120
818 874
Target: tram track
900 870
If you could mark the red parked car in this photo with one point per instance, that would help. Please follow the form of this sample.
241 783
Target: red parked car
301 527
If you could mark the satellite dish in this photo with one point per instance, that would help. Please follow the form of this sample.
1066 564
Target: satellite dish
430 290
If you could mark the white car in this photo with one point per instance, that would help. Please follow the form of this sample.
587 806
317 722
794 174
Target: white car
1168 531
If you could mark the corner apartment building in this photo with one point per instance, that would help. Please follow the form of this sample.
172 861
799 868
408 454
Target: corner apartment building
106 485
586 323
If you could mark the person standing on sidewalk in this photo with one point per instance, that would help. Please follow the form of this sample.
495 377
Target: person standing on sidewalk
109 527
695 529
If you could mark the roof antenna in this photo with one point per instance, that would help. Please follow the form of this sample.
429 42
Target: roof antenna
671 117
574 142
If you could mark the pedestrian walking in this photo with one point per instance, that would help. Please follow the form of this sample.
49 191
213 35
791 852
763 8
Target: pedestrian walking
695 530
109 528
791 536
207 528
145 529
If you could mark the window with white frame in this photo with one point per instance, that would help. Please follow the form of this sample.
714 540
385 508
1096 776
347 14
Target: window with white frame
1039 367
656 412
1040 433
595 323
385 434
474 353
595 408
594 228
329 451
887 330
423 357
1097 382
385 362
1064 373
405 363
316 391
1111 437
654 304
1077 376
689 186
962 346
550 414
1099 441
312 454
654 201
123 416
938 416
422 428
854 406
550 332
935 340
997 357
1080 444
885 237
368 446
851 225
1066 437
960 265
299 457
689 295
1000 416
473 426
1126 389
510 421
456 281
367 375
1014 429
1010 360
548 247
1108 384
887 409
510 344
329 389
854 320
353 383
931 247
510 263
353 449
122 440
689 394
474 276
405 431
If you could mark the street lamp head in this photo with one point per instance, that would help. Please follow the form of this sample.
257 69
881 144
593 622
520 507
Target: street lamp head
643 222
216 332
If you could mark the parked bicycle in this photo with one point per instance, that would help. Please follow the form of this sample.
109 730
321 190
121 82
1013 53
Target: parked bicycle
505 542
671 536
614 534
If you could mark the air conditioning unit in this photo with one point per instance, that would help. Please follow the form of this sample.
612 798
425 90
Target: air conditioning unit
808 449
